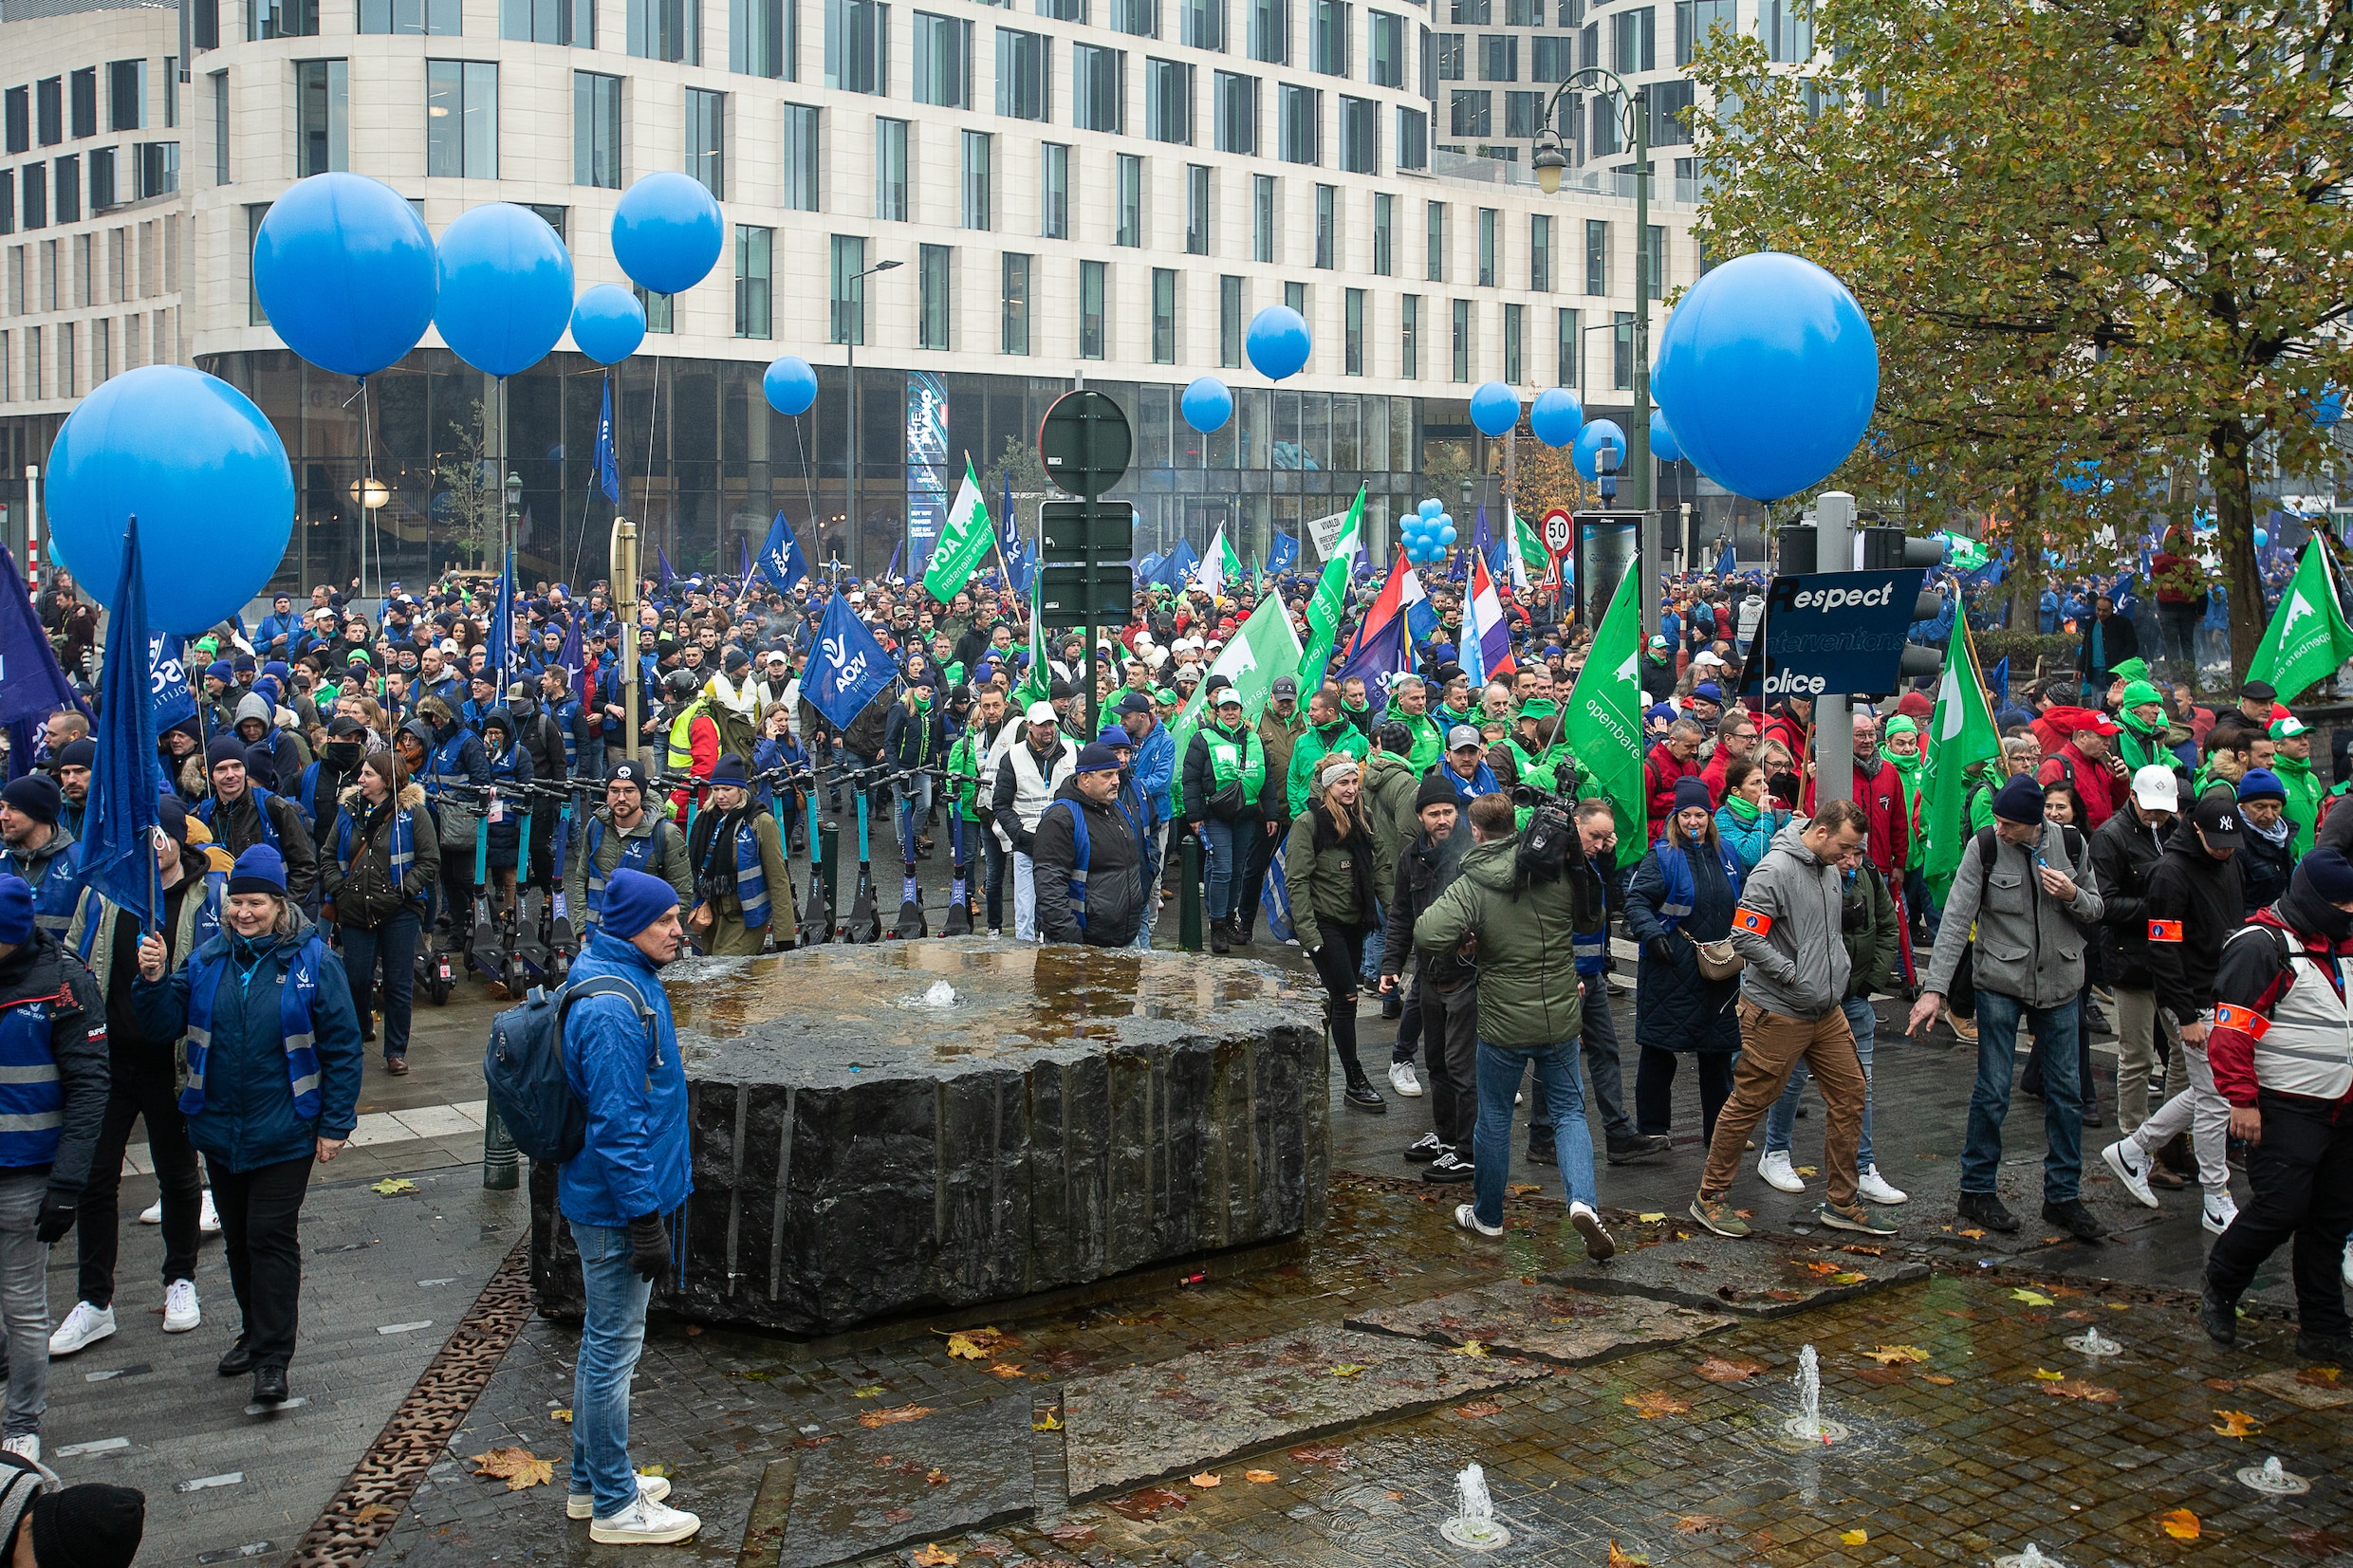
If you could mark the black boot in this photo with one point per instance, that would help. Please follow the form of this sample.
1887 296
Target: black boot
1361 1096
1219 939
2218 1317
1987 1210
269 1385
237 1359
2331 1350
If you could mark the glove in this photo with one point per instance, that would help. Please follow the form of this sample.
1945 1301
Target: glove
649 1247
1660 948
57 1216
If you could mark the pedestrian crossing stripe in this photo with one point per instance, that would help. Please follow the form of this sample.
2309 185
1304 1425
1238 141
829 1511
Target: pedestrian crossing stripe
2164 930
1754 921
2245 1020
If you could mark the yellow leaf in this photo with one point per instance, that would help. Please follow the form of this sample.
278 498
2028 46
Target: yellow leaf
867 1392
2237 1424
1652 1405
894 1416
1621 1557
936 1477
1347 1368
1854 1537
1207 1479
1052 1424
1260 1477
1471 1347
391 1185
373 1512
654 1469
517 1467
2043 1377
2181 1524
964 1345
1887 1355
1936 1377
1848 1279
1807 1170
931 1554
1006 1369
1651 1219
1693 1525
2031 1298
1973 1234
564 1416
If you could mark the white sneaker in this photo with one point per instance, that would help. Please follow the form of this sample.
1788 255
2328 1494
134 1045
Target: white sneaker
85 1326
207 1222
2220 1211
27 1446
180 1312
584 1504
2347 1269
1875 1187
1401 1079
644 1524
2131 1173
1773 1165
1599 1247
1467 1218
152 1213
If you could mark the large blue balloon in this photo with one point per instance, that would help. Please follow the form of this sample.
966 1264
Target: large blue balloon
204 471
1557 417
608 323
1590 440
1278 342
1664 445
506 289
1207 404
1494 408
2330 408
667 231
1769 372
791 384
343 267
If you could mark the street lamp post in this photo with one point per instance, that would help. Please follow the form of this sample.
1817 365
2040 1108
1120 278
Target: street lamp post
1551 160
850 342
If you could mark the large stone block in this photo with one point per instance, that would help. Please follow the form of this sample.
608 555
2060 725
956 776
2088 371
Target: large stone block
1074 1115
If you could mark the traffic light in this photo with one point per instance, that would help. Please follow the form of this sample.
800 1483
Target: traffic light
1799 547
1891 549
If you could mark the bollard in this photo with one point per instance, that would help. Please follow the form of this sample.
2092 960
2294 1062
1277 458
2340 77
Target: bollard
1188 893
499 1160
832 835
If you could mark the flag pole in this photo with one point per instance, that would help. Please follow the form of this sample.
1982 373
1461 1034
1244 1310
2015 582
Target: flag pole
995 543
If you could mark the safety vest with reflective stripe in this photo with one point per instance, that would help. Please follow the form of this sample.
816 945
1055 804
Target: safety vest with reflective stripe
2306 1047
33 1101
295 999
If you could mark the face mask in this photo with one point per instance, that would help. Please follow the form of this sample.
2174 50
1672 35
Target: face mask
344 754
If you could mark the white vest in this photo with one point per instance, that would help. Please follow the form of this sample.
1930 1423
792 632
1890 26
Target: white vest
1033 789
2307 1047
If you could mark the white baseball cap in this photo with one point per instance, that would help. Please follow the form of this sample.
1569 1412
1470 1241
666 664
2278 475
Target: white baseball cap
1707 656
1042 712
2156 788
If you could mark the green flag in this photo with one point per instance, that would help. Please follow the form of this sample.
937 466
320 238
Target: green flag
2308 639
1530 561
1603 725
1962 734
963 545
1037 683
1263 650
1331 597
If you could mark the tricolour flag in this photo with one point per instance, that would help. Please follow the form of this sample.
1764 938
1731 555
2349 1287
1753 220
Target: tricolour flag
2308 639
1962 735
1485 627
1603 725
964 544
1331 597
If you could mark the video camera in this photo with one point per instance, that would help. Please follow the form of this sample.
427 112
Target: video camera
1547 840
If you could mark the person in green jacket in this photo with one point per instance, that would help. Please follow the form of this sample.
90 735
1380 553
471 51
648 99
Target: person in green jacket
1328 730
1224 771
2148 735
1409 705
1328 864
1529 1009
1539 758
2293 764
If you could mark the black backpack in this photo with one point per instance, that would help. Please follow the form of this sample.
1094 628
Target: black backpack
1961 994
524 1067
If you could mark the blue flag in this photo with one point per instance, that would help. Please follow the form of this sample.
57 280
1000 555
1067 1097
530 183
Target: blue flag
780 560
118 848
1998 679
169 698
848 670
743 559
1283 554
31 684
664 576
1727 564
574 658
608 459
1379 657
891 571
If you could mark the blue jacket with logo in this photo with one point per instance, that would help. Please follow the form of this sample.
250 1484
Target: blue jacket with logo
637 1160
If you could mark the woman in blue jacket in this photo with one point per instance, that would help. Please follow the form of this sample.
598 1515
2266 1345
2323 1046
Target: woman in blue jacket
272 1082
1683 894
511 768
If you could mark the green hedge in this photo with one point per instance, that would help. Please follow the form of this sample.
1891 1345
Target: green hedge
2057 652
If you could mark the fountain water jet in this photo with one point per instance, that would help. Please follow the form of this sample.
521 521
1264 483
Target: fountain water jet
2031 1558
2092 1342
1474 1526
2272 1478
1807 1426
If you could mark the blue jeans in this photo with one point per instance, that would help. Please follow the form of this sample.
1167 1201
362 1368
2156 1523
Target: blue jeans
1501 1067
1860 1019
611 1338
1218 839
394 945
912 800
2063 1104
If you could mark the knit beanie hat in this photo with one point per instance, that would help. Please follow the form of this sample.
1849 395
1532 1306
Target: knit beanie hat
2326 873
1690 792
2020 800
225 748
172 817
259 869
2261 783
15 909
633 901
2140 693
1434 790
92 1525
36 794
79 752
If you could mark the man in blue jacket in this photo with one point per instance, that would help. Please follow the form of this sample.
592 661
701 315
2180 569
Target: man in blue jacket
634 1170
1154 770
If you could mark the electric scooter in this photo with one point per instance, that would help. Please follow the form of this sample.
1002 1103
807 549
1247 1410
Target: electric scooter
959 921
912 921
816 916
866 922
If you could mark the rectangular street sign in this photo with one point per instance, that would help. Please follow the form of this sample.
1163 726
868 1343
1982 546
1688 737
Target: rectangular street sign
1063 599
1832 633
1068 533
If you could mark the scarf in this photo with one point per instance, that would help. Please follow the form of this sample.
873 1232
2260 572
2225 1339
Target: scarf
1742 808
2277 834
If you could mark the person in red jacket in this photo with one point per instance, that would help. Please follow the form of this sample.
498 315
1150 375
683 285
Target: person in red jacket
1735 741
2282 1055
1879 789
1670 762
2088 763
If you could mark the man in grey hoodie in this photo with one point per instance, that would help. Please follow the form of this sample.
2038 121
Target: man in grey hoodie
1787 928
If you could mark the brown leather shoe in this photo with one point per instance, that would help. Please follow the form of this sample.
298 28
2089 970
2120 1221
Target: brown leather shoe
397 1065
2160 1177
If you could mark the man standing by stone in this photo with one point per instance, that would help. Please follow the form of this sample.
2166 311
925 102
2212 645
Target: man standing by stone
1089 858
1031 770
2024 893
634 1170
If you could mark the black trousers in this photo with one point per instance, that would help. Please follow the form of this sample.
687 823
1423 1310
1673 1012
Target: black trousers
1336 964
2302 1174
260 1212
1653 1088
1451 1019
143 1086
1261 861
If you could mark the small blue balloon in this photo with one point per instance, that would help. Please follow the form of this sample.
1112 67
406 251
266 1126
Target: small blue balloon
201 468
506 289
2262 538
667 232
1662 443
789 384
1207 404
1432 507
608 323
1278 342
343 267
1494 408
1557 417
1446 535
1600 433
1444 522
2330 408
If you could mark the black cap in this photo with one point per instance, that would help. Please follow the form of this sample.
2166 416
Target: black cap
2217 820
628 773
2260 691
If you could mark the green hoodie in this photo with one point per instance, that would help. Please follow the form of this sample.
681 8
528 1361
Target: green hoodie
1913 768
1527 994
1312 747
2303 798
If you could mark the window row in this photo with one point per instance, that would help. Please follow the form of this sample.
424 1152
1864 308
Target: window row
35 196
67 358
37 110
111 267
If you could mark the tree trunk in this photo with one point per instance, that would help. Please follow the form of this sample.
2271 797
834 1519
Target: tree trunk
2228 442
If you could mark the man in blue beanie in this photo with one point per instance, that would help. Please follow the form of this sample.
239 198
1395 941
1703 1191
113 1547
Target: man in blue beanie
621 1057
35 845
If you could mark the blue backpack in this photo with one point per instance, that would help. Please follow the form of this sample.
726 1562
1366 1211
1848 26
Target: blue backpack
523 1068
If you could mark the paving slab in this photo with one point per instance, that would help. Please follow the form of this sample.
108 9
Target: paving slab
1756 1279
1548 1322
875 1490
1146 1423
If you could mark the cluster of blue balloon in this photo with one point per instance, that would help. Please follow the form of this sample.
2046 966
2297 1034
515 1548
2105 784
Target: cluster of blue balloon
1426 533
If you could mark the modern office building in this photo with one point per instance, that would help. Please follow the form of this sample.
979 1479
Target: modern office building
1096 192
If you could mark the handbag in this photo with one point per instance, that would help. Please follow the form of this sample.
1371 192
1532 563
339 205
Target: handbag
1717 960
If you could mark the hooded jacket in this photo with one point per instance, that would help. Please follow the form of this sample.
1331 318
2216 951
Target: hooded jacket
237 826
1788 926
1330 877
1423 871
1310 751
1529 991
635 1160
1389 790
2030 946
2123 853
361 886
1115 870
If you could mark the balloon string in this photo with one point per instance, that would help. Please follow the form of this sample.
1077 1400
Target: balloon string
653 423
808 481
587 499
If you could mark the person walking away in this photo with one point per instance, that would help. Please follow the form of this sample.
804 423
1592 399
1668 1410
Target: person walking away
1794 974
1328 862
2192 906
621 835
383 858
743 892
1445 995
1515 905
272 1083
634 1170
1028 776
53 1092
2123 852
141 1084
2282 1054
2268 853
1681 894
1225 771
1867 926
35 847
452 767
2022 901
1279 728
1387 790
1089 858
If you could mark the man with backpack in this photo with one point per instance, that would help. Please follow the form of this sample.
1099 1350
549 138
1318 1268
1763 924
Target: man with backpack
622 835
2023 901
634 1169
